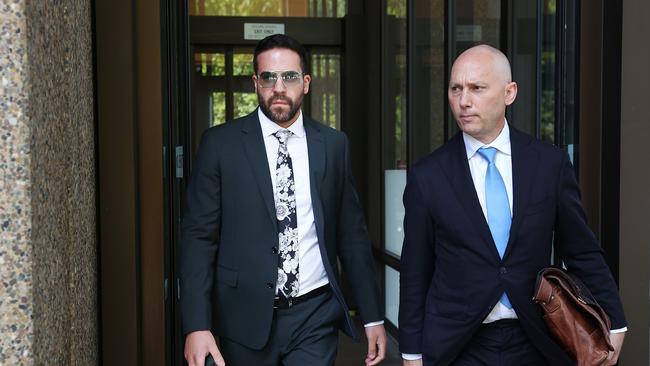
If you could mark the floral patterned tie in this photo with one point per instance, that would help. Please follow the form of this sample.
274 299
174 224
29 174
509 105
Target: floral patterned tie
285 211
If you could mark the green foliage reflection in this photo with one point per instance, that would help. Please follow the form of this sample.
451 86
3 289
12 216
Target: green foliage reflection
396 8
242 64
269 8
244 103
218 108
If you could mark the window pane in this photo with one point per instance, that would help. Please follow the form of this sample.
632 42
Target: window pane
429 97
395 182
547 117
244 103
392 295
474 22
394 91
396 8
522 46
394 125
269 8
242 64
210 64
218 108
569 79
326 88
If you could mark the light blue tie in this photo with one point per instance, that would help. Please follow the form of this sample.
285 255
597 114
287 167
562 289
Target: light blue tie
498 207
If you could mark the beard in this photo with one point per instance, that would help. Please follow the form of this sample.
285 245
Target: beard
277 115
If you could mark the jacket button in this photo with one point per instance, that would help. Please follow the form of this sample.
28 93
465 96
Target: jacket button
269 284
503 270
274 250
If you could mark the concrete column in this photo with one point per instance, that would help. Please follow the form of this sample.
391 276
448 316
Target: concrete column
48 256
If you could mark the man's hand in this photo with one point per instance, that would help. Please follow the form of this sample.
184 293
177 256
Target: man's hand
412 362
376 335
198 345
617 342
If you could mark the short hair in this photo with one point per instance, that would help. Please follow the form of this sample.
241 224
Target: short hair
281 41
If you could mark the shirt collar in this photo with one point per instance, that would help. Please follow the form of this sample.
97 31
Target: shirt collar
269 127
501 143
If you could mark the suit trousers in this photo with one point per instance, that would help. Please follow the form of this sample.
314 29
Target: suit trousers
305 334
502 343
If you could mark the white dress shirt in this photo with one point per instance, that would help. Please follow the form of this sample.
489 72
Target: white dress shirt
478 167
311 268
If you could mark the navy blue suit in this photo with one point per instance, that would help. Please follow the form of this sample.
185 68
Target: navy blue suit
451 275
229 259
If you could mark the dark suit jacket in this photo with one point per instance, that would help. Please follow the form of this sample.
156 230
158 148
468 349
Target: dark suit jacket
228 260
451 273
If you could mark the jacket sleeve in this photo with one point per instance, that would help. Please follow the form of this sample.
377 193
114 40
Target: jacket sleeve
200 237
579 248
416 266
354 248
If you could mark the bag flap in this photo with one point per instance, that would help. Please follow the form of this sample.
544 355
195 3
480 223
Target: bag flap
576 292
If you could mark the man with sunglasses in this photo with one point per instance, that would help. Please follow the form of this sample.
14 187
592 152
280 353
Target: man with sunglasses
271 211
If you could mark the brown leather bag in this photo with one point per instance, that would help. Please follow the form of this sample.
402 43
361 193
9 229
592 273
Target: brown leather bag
573 316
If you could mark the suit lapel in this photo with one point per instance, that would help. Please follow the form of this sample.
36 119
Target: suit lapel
457 167
317 157
524 161
253 143
317 152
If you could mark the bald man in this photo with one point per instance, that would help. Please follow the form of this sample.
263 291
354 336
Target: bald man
482 215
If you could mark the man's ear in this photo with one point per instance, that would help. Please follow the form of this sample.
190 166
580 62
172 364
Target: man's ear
511 93
254 78
306 82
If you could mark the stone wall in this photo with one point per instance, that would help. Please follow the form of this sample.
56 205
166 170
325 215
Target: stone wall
48 255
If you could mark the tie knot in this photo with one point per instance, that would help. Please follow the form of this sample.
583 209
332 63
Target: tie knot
282 135
488 153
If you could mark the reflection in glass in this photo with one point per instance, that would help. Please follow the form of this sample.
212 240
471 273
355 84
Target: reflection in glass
244 103
522 46
210 64
394 123
395 182
242 64
568 76
396 8
547 112
394 81
221 86
392 295
218 108
269 8
474 22
326 87
430 99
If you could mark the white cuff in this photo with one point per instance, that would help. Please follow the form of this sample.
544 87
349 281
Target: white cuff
372 324
411 356
619 330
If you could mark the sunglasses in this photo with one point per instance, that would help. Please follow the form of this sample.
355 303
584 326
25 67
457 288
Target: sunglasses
267 79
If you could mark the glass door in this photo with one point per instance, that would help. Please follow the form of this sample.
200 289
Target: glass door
221 87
